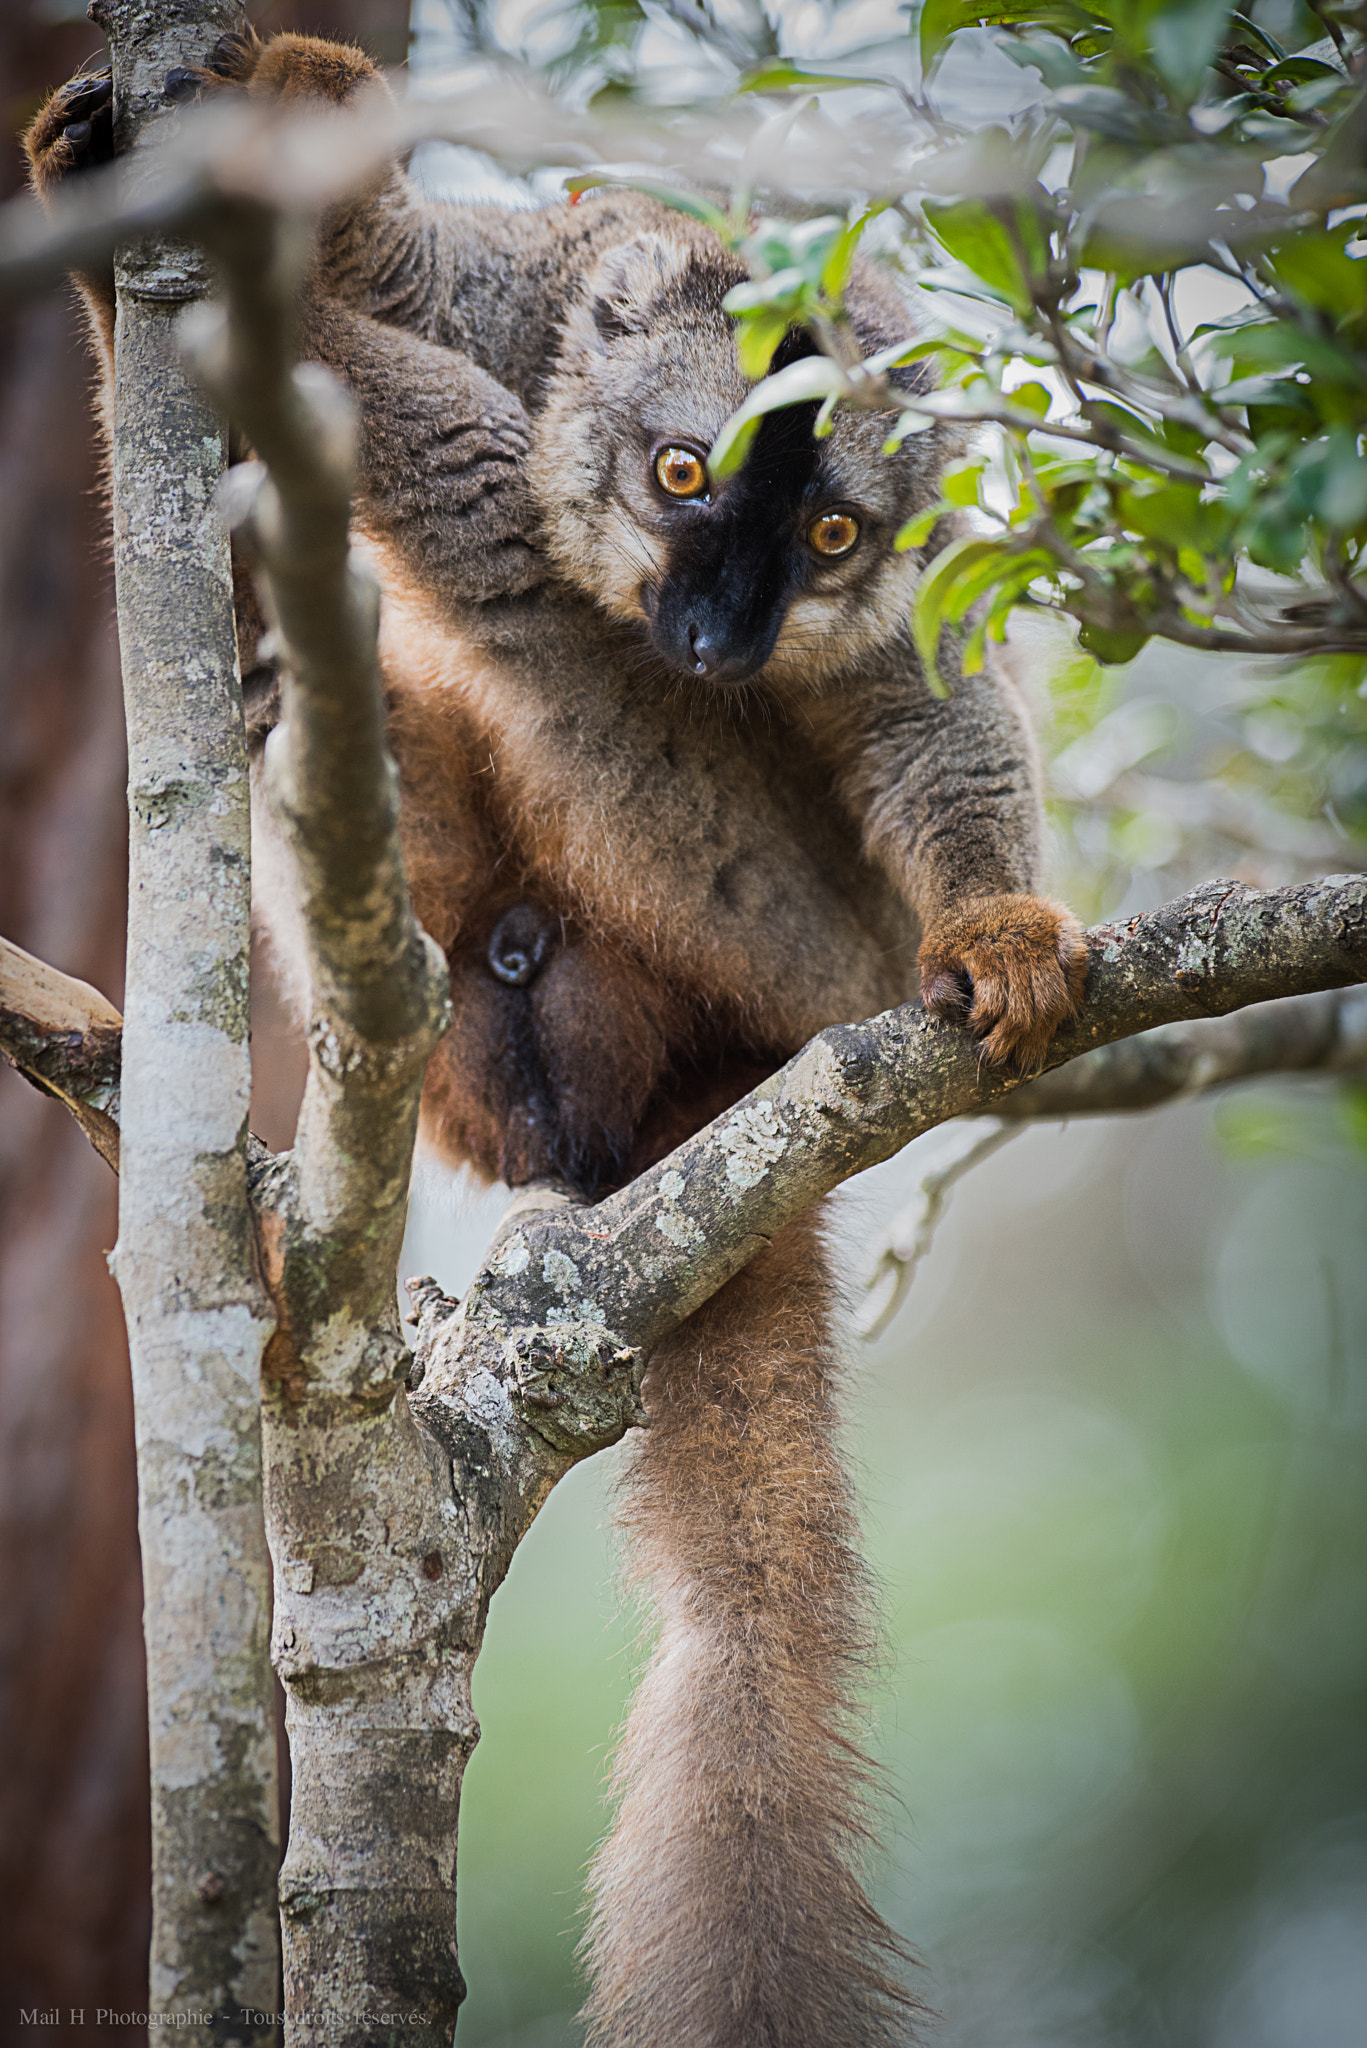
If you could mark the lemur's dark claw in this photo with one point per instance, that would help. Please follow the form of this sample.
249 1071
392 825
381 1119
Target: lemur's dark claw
181 85
95 85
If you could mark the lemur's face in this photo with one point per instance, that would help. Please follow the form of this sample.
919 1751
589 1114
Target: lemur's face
787 571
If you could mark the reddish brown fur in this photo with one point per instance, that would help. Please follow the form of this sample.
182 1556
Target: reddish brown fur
1027 963
709 880
727 1903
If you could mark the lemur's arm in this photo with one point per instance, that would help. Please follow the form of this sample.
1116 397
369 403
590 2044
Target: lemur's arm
443 446
442 441
947 791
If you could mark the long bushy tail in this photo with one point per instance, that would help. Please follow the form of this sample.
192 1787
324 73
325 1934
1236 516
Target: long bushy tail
727 1909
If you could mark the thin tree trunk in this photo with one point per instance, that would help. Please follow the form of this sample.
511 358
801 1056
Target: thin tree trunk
198 1318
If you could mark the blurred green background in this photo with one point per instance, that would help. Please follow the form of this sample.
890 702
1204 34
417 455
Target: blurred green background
1113 1454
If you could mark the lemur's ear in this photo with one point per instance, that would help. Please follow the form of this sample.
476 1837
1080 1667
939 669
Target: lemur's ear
628 286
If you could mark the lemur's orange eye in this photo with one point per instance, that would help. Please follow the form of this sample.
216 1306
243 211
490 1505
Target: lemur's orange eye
682 473
834 533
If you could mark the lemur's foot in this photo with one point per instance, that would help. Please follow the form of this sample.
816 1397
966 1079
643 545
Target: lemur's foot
288 67
1012 968
74 131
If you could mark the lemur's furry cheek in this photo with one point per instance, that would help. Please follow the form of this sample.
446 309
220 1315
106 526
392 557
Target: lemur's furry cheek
829 634
646 354
608 554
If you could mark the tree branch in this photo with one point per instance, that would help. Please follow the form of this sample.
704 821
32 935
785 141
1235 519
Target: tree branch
367 1551
639 1262
63 1036
378 984
198 1317
1324 1033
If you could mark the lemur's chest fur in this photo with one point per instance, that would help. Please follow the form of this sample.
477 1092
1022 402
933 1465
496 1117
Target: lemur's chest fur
712 828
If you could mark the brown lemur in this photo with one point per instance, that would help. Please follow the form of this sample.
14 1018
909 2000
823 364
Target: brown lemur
676 797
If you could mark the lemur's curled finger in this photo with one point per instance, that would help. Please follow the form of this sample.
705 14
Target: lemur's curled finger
234 55
231 61
1012 968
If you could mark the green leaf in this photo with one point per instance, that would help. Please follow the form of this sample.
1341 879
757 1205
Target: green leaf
1319 93
960 482
1331 481
1035 398
780 76
1287 345
973 234
1300 71
1275 542
1318 269
902 352
951 584
1114 114
973 653
803 246
1182 439
1273 135
909 423
1177 514
1252 33
933 588
939 21
784 288
757 336
1280 394
918 530
814 377
836 269
1055 62
1110 647
1114 414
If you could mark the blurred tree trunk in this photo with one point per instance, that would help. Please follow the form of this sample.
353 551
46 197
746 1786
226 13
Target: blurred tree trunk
74 1844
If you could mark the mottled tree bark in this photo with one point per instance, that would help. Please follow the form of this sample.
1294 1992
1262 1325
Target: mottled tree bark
378 1727
198 1318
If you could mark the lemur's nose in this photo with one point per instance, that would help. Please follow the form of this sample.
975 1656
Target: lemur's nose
712 661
